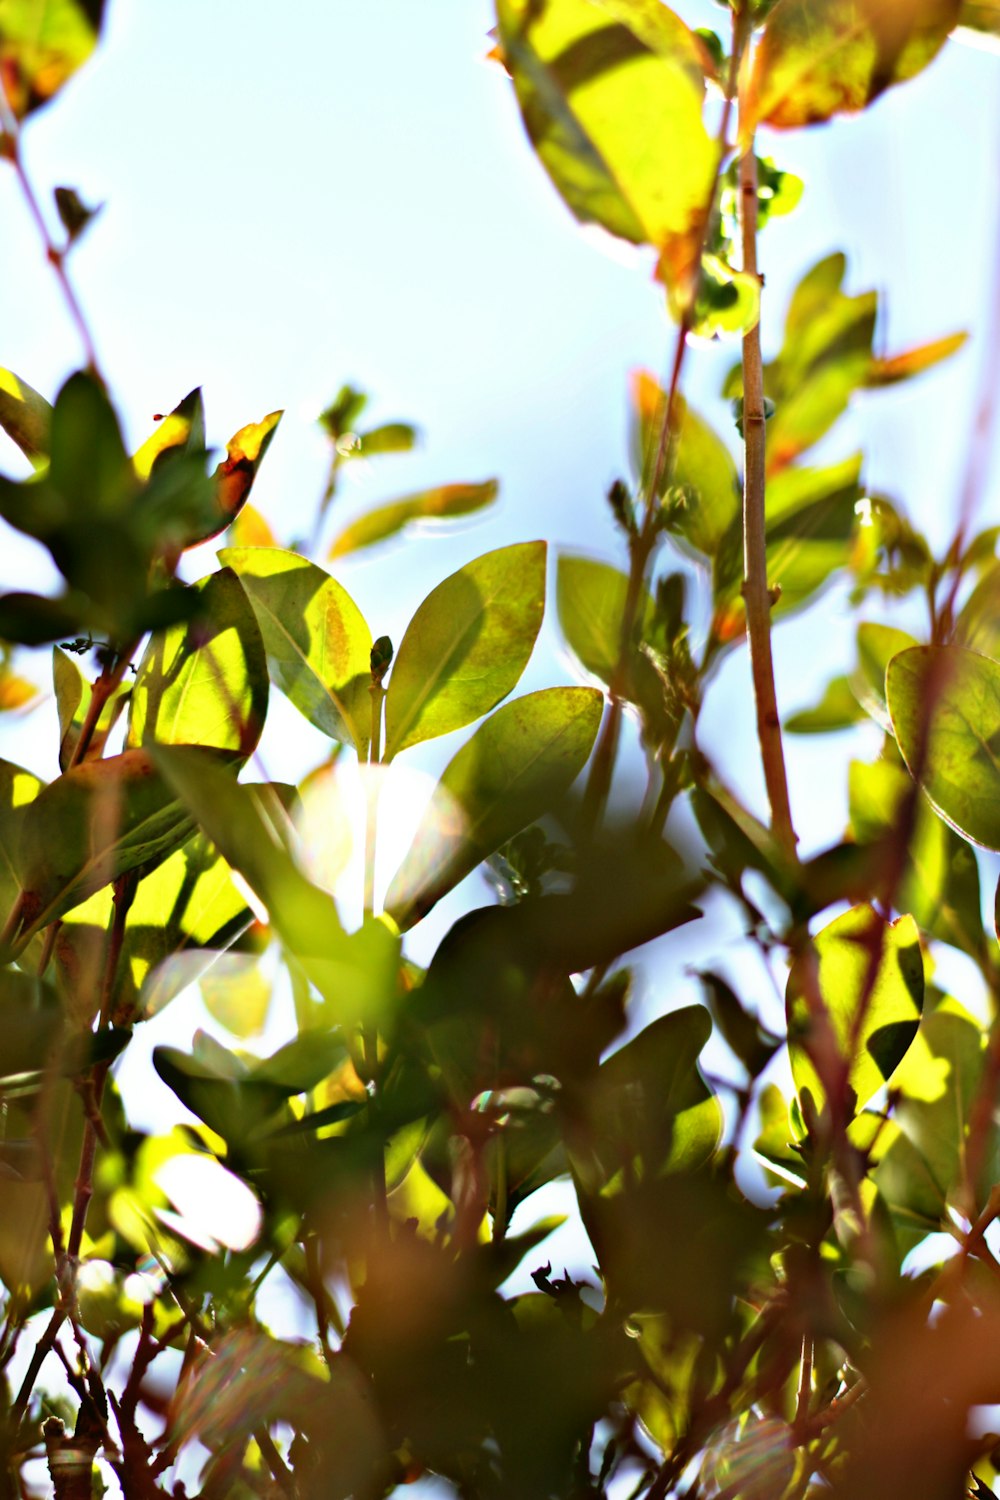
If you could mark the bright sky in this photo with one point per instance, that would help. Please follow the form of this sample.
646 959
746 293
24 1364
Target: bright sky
301 196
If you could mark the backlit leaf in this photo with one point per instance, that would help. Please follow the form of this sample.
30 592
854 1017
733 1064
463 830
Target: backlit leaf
944 702
704 486
89 826
981 15
466 646
837 709
897 367
317 642
508 774
611 94
877 645
42 43
829 1001
72 692
25 417
235 475
439 504
18 789
204 682
819 58
590 598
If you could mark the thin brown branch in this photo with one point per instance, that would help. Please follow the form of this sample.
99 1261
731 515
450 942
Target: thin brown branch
756 591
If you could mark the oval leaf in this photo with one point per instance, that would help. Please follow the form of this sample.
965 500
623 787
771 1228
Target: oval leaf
819 58
25 416
871 1026
466 646
204 682
955 754
318 644
611 93
510 772
439 504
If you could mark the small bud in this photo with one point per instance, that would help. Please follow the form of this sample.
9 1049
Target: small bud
381 657
620 502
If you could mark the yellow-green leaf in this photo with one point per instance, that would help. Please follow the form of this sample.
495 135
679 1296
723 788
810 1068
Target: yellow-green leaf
611 93
204 682
438 504
317 642
42 43
72 702
905 366
835 1016
506 776
819 58
466 646
944 702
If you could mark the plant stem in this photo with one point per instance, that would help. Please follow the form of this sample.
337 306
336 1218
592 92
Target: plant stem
53 253
756 594
642 545
370 1035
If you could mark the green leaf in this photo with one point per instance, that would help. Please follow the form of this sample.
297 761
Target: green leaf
390 437
466 646
234 477
318 644
877 645
438 504
834 1014
73 700
978 623
89 826
940 884
236 993
204 682
611 95
25 416
590 599
42 43
704 487
250 827
811 520
944 702
837 709
507 775
180 431
818 58
230 1102
89 466
18 789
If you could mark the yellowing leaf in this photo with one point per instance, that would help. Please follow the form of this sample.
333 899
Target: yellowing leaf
611 94
914 361
829 999
819 58
204 682
317 642
42 43
439 504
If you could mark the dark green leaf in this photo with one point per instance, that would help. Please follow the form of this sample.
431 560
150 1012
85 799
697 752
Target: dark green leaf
466 646
25 417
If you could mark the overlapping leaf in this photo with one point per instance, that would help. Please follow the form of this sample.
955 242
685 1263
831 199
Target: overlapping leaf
317 642
854 998
204 682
